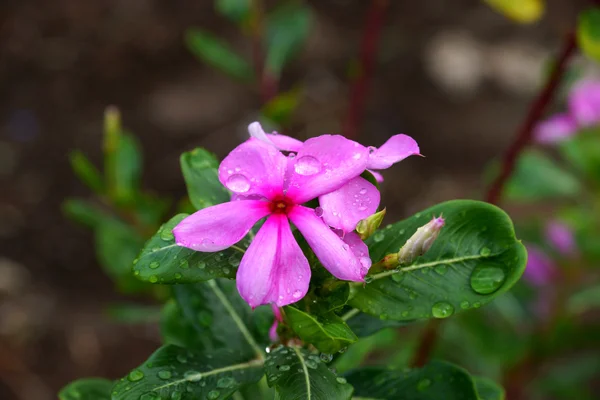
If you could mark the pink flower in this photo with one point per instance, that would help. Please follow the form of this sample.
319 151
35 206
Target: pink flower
555 129
561 237
540 269
266 183
358 198
584 102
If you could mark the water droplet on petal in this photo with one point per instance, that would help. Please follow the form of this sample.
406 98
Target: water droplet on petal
307 165
363 191
319 212
487 279
238 183
442 310
297 294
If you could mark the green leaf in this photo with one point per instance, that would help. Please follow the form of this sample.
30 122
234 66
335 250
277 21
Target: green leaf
475 258
86 171
175 373
133 313
288 27
437 380
117 245
208 48
236 10
522 11
281 107
583 152
538 177
364 325
584 300
200 171
221 318
298 375
176 329
162 261
488 389
328 333
84 212
588 33
124 169
87 389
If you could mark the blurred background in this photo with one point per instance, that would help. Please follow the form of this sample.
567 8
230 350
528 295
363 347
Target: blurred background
453 74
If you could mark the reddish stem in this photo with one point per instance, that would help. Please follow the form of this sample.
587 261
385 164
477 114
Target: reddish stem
268 84
368 51
536 110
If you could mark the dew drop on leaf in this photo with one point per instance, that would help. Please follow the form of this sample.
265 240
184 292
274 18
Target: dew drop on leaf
311 364
166 234
441 269
487 279
284 368
164 374
135 375
485 252
213 395
154 264
423 384
465 304
341 380
378 237
442 309
226 382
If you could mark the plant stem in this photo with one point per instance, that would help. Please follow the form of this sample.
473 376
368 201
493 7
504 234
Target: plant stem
368 51
536 110
266 82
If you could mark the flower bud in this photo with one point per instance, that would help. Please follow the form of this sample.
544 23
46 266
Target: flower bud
421 241
366 227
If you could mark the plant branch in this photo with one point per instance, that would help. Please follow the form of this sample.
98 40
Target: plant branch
266 82
368 52
536 110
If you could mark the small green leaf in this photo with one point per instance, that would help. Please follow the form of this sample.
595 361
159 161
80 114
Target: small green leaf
176 329
175 373
221 318
236 10
86 171
288 27
437 380
84 212
538 177
162 261
200 171
588 33
87 389
475 258
584 300
583 152
208 48
328 333
298 375
488 389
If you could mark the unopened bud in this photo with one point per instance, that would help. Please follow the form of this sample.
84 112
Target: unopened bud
366 227
421 241
112 128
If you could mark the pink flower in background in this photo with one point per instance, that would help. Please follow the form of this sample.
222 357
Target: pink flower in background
540 269
583 112
266 183
561 237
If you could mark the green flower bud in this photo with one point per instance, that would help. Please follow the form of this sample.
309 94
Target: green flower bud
421 241
366 227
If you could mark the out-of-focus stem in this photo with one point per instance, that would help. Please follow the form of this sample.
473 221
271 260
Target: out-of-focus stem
368 52
267 83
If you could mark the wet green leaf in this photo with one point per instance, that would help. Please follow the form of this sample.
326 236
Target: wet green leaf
87 389
475 258
488 389
200 171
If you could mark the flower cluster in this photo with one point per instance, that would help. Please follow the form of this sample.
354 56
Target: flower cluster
583 112
274 176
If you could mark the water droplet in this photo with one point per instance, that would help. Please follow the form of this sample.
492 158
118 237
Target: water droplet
465 304
154 264
164 374
326 357
192 376
226 382
176 395
404 314
311 364
363 191
441 269
485 252
166 234
226 270
442 310
319 212
284 368
135 375
343 350
213 395
201 265
368 279
297 294
487 279
379 236
423 384
341 380
238 183
178 275
307 165
234 261
153 279
477 304
398 276
181 358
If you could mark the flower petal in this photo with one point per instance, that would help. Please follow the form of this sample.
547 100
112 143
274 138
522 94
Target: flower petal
254 167
554 129
377 175
274 269
359 248
584 102
218 227
330 249
282 142
324 164
344 207
561 236
540 269
396 149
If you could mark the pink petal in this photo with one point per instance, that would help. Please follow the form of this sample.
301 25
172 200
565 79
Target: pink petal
218 227
334 254
396 149
584 102
282 142
254 167
274 269
377 175
344 207
324 164
540 269
561 237
554 129
359 248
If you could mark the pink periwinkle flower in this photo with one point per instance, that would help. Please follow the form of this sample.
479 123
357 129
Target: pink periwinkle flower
266 183
540 269
555 129
561 237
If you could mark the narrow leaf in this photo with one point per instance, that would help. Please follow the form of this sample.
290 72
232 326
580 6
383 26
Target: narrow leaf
124 169
87 389
86 171
175 373
236 10
200 171
298 375
84 212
